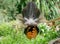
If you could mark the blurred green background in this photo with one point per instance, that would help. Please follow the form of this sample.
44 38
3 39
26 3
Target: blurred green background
11 31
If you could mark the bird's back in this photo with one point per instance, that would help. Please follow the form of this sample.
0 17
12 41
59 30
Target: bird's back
31 12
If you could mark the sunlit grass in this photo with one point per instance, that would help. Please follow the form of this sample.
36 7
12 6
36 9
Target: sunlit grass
9 35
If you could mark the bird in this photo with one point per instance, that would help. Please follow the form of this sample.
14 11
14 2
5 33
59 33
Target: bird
31 15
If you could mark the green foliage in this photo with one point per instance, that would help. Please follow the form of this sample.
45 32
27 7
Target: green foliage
48 32
5 29
11 8
49 8
9 35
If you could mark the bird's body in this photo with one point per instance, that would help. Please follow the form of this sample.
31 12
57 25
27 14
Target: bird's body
31 13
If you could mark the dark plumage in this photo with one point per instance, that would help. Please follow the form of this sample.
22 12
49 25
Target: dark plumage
30 29
31 11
